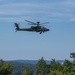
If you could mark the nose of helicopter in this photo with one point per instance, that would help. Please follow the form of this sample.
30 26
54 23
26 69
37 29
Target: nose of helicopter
47 29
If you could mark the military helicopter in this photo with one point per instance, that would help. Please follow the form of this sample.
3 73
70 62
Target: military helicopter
36 28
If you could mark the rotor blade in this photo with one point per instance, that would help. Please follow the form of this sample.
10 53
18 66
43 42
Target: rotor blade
45 23
31 22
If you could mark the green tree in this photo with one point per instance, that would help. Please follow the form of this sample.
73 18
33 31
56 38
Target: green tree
55 65
41 67
73 68
55 68
26 72
72 55
67 67
56 72
5 68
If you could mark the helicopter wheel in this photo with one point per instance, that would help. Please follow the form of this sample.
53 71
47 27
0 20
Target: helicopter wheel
40 32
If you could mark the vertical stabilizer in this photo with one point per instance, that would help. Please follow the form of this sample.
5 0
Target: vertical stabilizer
17 26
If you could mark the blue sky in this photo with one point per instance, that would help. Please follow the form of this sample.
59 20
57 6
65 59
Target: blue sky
57 43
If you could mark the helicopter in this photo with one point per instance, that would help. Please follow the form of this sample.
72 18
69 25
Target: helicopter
36 27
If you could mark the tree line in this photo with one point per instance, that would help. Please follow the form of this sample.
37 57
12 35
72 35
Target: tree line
41 68
55 67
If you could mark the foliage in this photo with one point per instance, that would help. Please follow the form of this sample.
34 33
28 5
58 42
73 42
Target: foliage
56 68
72 55
5 68
67 67
73 67
41 67
56 72
18 67
55 65
26 72
48 68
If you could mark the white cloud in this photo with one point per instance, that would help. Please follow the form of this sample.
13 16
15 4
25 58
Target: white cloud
72 19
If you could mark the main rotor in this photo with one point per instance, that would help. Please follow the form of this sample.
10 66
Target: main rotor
33 23
37 23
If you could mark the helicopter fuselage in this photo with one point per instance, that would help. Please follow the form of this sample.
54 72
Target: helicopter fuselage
36 28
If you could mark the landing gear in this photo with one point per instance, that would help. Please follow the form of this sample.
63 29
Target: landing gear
40 32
